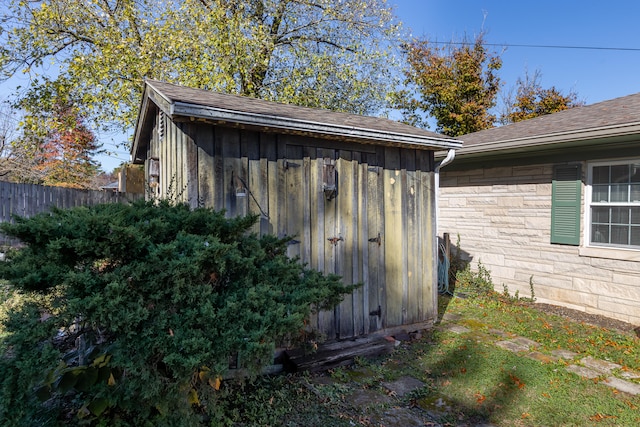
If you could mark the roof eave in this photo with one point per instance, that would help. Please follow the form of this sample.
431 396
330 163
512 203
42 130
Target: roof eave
540 142
297 125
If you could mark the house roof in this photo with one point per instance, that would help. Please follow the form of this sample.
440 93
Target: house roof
612 122
189 103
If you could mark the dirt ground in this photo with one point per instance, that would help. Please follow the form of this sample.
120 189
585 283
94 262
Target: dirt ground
592 319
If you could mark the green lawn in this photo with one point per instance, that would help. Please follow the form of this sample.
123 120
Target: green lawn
467 378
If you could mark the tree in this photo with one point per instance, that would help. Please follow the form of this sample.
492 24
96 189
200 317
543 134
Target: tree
319 53
17 161
531 100
64 157
456 85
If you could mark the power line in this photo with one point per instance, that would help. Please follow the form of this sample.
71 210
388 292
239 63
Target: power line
542 46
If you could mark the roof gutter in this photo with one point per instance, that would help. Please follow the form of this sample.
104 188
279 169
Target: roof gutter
439 165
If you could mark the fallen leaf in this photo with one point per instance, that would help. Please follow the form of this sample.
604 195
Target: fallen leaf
480 398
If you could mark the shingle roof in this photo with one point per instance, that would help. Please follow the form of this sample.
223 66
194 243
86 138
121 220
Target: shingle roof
189 101
615 113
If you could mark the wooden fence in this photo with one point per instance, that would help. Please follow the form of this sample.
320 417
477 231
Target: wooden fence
27 200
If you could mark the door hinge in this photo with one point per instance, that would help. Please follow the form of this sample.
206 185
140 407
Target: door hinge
377 312
377 239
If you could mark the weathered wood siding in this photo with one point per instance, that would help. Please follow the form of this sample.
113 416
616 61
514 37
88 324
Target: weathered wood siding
378 230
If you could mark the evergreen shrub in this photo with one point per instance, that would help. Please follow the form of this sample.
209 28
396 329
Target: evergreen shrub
129 313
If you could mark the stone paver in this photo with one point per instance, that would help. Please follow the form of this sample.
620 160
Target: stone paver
399 417
564 354
403 385
526 342
622 385
599 365
583 372
458 329
541 357
512 346
369 399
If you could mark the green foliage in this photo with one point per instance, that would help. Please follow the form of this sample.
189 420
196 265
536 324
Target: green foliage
476 282
335 55
532 100
457 86
134 310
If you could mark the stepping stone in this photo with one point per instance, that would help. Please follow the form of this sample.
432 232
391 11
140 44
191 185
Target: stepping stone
541 357
368 398
399 417
630 375
526 342
600 365
564 354
512 346
403 385
451 317
457 329
499 333
622 385
583 372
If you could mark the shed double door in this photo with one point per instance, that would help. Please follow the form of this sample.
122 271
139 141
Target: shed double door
334 209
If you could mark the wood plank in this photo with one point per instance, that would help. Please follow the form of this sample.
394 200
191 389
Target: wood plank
413 237
327 319
293 198
255 182
344 249
337 353
205 143
191 151
363 242
231 165
393 242
218 168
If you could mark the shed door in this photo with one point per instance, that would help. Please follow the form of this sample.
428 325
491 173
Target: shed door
333 208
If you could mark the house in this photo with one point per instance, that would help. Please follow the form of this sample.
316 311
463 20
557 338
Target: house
554 200
356 193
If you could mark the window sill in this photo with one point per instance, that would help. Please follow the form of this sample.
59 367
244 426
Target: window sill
610 253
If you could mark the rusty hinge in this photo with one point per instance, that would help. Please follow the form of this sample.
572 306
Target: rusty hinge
377 239
377 312
334 240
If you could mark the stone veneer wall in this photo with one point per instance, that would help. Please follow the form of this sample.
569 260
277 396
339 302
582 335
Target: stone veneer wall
503 218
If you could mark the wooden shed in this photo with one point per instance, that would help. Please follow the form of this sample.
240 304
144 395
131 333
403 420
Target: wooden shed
357 193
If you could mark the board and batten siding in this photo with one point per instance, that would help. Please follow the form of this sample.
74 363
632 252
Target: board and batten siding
378 230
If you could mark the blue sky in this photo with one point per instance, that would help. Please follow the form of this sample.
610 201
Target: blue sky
594 74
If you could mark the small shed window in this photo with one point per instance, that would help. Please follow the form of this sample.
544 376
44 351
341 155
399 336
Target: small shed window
566 191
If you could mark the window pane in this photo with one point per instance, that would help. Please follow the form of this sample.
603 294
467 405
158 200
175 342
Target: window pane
619 235
600 215
635 193
620 173
600 193
600 175
600 234
635 215
620 216
619 192
635 172
635 236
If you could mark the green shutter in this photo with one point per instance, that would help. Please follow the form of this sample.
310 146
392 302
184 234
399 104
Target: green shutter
566 189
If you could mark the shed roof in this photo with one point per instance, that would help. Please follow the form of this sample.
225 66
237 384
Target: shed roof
603 122
180 102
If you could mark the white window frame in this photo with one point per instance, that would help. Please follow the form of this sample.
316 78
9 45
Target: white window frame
595 249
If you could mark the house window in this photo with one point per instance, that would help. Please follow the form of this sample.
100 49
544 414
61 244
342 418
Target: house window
614 204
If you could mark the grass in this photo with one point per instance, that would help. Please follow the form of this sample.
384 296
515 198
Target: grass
467 378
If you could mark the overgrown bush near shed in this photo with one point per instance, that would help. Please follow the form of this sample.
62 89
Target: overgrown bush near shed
133 311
